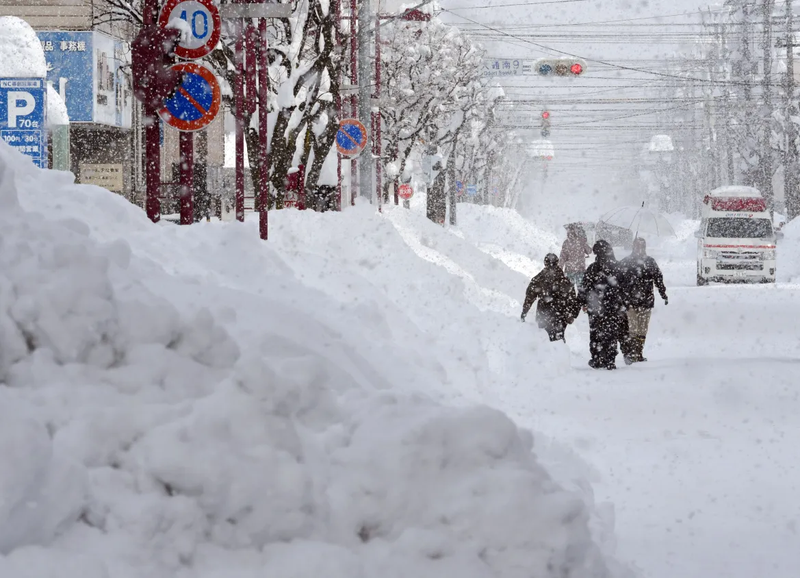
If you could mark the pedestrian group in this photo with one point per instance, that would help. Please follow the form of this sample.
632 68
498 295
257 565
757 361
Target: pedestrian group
617 296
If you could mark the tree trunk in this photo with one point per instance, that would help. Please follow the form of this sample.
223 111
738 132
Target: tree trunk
437 199
451 182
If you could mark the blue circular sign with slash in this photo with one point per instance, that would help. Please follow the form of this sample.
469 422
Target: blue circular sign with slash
196 102
351 137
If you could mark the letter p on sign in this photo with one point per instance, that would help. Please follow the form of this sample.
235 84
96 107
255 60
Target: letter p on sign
19 104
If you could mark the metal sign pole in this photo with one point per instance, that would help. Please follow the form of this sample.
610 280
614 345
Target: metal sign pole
338 104
376 116
353 97
239 117
263 129
152 139
187 177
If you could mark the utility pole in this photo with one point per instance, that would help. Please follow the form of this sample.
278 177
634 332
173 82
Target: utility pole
765 159
708 105
365 23
790 193
726 101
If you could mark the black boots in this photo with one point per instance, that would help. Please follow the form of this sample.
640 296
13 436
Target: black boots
637 349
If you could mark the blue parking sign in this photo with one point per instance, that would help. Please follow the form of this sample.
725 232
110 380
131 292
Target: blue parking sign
22 117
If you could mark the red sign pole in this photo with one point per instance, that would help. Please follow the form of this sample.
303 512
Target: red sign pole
187 177
376 117
338 104
353 98
263 128
239 117
152 144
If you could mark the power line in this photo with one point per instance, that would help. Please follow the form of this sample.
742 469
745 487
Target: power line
516 4
618 66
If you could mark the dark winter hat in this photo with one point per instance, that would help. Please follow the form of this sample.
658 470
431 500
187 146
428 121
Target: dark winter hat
603 249
550 260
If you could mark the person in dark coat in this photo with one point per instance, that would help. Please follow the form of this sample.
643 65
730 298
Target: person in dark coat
558 305
574 252
641 274
602 292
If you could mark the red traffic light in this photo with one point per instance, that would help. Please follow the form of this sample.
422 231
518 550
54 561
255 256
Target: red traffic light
151 58
576 68
546 115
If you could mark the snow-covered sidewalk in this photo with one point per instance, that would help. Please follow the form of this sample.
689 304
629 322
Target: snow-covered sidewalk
192 402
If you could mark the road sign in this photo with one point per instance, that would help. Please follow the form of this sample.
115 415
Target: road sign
472 190
405 192
197 101
22 117
507 67
459 188
203 26
351 138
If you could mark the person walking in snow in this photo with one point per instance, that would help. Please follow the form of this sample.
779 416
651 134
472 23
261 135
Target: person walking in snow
602 292
574 252
558 305
641 274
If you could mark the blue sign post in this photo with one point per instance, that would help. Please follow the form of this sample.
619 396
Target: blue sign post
22 117
351 137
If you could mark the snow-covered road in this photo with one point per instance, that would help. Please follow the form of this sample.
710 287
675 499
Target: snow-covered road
360 323
697 448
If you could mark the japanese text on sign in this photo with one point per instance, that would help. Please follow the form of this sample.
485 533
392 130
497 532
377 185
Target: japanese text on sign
507 67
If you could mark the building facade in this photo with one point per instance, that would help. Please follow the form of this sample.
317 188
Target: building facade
88 62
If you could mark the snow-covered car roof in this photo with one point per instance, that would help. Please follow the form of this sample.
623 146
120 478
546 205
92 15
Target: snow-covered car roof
735 191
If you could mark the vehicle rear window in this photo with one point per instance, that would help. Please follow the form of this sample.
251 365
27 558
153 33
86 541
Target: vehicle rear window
739 228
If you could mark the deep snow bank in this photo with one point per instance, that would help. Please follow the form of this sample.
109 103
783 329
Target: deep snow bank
150 437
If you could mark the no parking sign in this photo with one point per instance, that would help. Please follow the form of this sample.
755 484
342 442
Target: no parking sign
197 100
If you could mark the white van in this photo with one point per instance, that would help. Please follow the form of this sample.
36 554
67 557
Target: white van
736 240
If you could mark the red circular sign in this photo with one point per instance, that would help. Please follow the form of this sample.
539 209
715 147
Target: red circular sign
351 138
196 102
203 21
405 192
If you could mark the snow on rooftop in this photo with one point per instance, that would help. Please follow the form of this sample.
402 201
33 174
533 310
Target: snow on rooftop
21 54
735 191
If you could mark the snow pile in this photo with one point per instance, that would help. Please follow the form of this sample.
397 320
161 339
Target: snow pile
152 439
789 253
57 114
21 54
507 236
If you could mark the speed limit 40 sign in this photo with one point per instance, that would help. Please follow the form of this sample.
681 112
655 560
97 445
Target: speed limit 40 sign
203 26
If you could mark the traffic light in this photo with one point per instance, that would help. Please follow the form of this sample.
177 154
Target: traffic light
154 81
545 123
570 67
546 115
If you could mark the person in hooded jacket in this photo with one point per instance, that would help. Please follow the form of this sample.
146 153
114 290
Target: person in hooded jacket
558 305
574 252
641 273
602 292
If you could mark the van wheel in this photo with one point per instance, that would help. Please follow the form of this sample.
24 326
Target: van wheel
701 282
